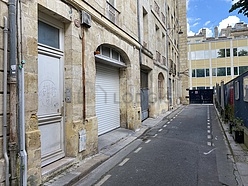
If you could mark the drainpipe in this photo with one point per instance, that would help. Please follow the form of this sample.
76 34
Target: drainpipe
5 44
12 85
139 33
21 104
84 75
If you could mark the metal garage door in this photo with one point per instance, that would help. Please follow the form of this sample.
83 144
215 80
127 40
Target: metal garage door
107 98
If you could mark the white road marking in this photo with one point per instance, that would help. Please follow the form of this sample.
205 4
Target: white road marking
165 125
209 136
160 130
147 141
206 153
137 150
216 138
105 178
124 161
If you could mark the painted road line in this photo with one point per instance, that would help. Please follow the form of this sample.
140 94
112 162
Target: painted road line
137 150
105 178
206 153
165 125
147 141
124 161
160 130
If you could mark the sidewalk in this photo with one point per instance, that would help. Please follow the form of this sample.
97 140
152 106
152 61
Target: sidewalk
109 145
239 153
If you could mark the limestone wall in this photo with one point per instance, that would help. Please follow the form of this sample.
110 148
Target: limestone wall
184 69
80 45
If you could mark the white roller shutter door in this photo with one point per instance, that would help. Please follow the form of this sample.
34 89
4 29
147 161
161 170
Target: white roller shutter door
107 98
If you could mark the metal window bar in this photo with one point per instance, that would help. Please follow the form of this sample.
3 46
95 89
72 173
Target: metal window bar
158 57
163 17
112 13
164 61
156 8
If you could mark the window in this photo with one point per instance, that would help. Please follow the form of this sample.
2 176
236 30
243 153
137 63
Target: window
243 69
207 72
200 73
158 57
214 54
199 54
112 12
236 71
214 71
110 53
228 52
48 35
243 51
160 86
106 51
221 71
112 2
206 54
193 72
221 53
228 71
235 53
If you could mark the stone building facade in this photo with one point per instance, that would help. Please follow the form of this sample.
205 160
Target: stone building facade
90 67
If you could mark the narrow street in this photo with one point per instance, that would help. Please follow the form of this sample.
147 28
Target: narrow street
186 149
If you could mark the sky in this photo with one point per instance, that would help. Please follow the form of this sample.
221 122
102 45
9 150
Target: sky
209 14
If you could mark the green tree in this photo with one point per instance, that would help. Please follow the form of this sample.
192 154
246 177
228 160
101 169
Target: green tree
242 6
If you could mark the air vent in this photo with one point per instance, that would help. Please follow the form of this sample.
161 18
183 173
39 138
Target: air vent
86 19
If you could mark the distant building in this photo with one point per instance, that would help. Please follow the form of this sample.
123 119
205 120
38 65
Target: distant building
90 67
219 58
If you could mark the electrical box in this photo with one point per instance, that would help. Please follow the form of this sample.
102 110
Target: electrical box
82 141
86 19
68 95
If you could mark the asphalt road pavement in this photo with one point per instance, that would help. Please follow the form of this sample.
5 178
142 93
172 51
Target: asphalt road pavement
186 149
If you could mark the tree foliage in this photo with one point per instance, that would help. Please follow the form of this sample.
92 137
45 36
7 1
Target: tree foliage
242 6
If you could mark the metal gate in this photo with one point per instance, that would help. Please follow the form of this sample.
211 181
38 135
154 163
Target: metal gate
144 95
201 96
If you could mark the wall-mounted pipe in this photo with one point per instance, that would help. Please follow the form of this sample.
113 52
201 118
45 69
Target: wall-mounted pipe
12 89
21 100
5 45
139 31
